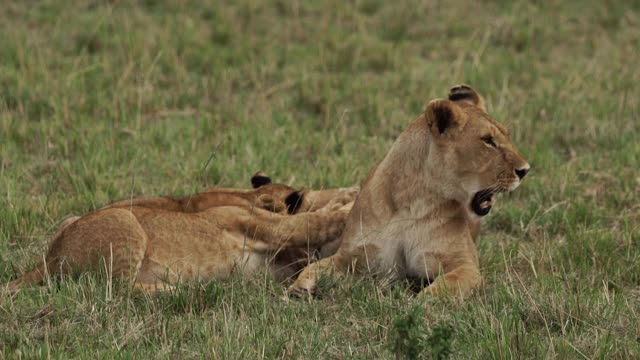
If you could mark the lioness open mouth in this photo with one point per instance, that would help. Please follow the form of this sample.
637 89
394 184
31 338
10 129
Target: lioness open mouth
481 202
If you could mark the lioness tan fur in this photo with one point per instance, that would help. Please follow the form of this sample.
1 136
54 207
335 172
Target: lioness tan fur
419 210
157 241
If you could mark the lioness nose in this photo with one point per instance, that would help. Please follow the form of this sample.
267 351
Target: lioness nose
522 172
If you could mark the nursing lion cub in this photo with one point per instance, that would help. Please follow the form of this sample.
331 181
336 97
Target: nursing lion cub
155 242
419 210
266 195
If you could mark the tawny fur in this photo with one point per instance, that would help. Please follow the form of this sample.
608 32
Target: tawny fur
413 216
155 242
265 195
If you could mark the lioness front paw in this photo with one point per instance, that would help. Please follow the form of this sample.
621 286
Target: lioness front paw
429 292
296 292
442 291
301 288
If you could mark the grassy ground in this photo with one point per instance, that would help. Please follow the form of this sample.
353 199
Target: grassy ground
104 100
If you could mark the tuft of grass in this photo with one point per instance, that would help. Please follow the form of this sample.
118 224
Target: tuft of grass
100 101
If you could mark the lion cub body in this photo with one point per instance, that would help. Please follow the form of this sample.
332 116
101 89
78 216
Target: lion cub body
157 241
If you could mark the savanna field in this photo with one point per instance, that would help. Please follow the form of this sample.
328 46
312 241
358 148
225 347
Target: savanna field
104 100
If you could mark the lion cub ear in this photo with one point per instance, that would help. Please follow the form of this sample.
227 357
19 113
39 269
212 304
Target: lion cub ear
294 201
260 179
465 93
442 116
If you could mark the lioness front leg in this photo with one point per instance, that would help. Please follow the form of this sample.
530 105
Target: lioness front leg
462 280
306 282
152 288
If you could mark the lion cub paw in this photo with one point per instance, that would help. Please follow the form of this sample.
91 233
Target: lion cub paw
349 194
343 201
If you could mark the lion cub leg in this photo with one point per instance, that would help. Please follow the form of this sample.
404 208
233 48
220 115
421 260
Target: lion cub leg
110 239
154 276
461 281
37 275
343 200
301 230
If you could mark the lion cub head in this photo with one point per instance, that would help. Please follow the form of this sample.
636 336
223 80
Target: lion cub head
275 197
281 198
472 151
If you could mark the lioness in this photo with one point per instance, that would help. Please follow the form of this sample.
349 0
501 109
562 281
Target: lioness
419 210
157 241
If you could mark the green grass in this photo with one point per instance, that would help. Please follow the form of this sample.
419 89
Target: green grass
103 100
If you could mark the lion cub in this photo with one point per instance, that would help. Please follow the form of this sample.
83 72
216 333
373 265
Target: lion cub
157 241
264 194
419 210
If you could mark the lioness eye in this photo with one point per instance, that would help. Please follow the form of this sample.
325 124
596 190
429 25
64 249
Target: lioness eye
489 140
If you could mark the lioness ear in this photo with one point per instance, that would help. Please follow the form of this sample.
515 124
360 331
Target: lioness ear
260 179
442 116
294 201
465 93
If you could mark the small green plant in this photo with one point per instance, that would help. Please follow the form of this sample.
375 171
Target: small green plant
409 334
440 341
411 339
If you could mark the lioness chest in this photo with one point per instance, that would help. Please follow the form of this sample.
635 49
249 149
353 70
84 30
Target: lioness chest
406 246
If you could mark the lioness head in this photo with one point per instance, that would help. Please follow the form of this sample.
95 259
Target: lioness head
472 151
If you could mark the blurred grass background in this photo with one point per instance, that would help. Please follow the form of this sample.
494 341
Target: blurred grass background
102 100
